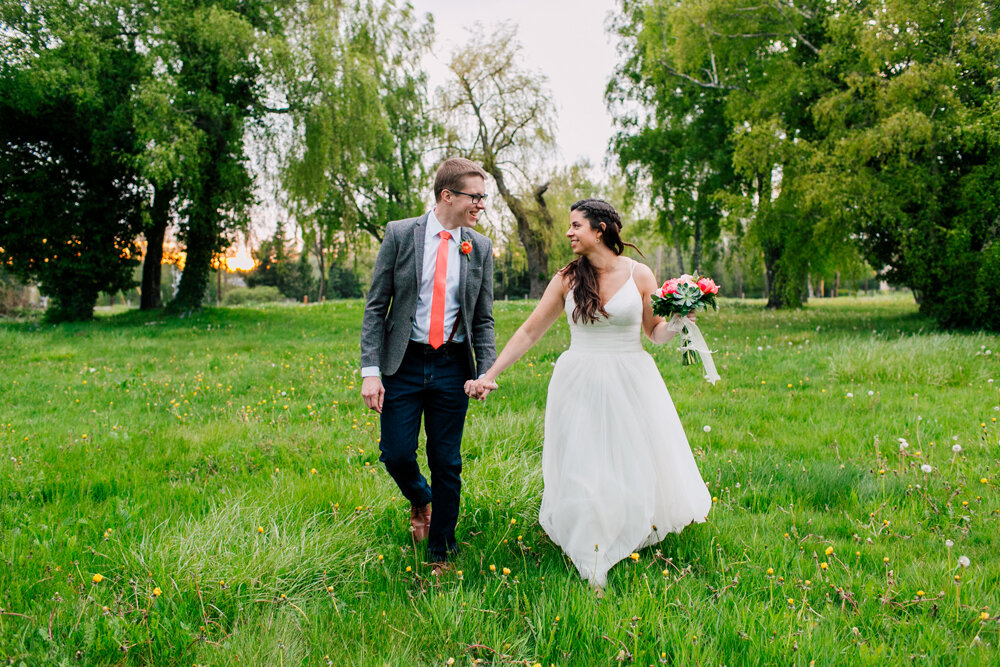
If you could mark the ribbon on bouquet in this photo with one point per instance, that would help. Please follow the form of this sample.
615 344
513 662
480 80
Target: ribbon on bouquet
693 340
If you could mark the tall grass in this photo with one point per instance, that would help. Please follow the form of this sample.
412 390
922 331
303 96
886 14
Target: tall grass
221 476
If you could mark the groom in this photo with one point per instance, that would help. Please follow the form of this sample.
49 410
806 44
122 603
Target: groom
427 330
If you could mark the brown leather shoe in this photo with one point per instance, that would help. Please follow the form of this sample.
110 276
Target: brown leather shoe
420 522
442 567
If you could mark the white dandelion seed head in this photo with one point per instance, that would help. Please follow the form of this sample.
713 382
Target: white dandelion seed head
706 428
871 393
949 543
956 448
964 561
926 468
849 395
954 437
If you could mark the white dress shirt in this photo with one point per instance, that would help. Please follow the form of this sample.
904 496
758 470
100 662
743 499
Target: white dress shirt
422 319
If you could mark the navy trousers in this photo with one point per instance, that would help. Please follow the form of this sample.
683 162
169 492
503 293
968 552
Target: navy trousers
429 383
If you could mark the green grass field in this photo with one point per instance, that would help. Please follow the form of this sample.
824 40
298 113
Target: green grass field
207 491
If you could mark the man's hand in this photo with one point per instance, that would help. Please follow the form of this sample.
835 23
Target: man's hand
373 392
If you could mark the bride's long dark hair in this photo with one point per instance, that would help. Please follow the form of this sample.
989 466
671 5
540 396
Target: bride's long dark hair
581 274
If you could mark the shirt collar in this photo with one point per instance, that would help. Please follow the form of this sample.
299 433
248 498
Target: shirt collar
434 228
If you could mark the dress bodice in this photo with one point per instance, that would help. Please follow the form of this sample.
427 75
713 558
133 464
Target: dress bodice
619 332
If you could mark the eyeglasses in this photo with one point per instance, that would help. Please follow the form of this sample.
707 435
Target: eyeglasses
475 198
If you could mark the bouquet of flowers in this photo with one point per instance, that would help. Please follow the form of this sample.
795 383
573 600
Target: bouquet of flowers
676 299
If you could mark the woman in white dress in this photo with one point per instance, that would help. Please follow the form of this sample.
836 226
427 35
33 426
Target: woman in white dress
617 468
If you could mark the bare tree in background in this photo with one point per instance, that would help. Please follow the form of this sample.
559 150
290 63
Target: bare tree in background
500 114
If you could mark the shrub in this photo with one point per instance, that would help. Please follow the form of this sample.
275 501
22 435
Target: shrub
251 296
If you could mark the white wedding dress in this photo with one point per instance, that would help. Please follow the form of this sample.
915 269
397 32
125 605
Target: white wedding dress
618 471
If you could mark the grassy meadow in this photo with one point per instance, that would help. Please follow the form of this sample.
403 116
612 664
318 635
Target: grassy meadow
207 491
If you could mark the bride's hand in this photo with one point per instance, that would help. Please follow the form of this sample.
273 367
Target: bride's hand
484 387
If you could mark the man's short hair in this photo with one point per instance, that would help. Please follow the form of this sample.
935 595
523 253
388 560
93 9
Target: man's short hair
451 173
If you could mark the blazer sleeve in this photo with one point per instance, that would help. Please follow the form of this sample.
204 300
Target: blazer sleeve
483 335
379 298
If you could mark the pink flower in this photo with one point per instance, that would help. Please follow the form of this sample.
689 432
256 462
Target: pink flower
670 287
707 285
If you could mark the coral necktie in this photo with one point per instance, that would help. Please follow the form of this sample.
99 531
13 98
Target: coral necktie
436 336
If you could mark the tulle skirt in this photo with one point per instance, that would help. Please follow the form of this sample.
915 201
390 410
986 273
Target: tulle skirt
618 471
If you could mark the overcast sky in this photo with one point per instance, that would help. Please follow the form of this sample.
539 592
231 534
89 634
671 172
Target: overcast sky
563 39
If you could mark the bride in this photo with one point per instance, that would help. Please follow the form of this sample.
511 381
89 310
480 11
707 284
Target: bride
617 468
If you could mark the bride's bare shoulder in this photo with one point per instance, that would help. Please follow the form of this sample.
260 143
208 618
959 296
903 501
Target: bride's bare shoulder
562 279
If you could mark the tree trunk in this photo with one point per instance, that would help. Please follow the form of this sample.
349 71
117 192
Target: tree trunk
201 236
152 263
534 238
696 249
321 261
836 284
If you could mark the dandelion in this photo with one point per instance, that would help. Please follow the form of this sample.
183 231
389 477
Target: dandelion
157 592
903 444
513 521
964 561
920 594
770 570
829 550
706 428
823 566
949 543
312 471
926 468
634 556
97 578
871 393
956 448
493 568
849 395
984 616
506 570
260 529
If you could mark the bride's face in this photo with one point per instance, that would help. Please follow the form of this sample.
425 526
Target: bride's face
582 238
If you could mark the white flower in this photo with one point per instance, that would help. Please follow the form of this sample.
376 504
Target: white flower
964 561
956 448
903 444
849 395
871 393
949 543
706 428
926 468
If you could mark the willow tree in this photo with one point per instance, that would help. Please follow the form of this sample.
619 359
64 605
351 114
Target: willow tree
361 126
501 114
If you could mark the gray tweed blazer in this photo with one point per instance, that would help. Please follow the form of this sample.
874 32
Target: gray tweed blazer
392 299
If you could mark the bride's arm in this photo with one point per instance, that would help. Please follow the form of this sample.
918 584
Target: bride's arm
549 307
654 326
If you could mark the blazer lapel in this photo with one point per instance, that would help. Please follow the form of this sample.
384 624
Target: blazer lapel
463 261
418 248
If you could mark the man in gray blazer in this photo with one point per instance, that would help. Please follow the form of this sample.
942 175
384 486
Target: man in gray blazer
427 330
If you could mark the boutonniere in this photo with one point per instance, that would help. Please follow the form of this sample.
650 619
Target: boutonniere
465 249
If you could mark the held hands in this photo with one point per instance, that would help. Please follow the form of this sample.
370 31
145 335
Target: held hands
479 389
